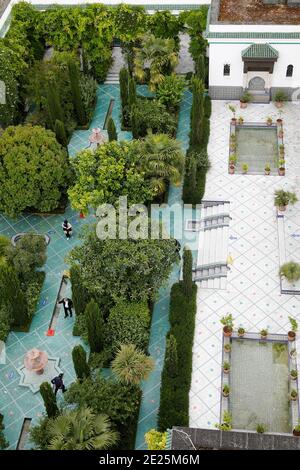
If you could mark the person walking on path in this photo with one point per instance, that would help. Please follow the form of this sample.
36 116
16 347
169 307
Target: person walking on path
59 384
67 228
68 305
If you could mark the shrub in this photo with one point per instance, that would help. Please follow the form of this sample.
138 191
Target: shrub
60 132
124 83
80 295
131 365
174 399
283 198
151 115
13 298
291 271
171 357
156 440
5 321
88 90
49 399
128 323
111 130
187 272
74 76
34 170
197 113
169 92
196 167
200 68
81 367
95 326
3 442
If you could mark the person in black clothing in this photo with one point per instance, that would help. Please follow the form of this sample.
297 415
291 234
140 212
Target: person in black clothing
59 383
68 304
67 228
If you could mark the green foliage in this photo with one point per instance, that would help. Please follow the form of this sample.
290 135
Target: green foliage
290 271
34 170
81 367
196 167
106 174
131 365
54 104
283 198
294 324
3 442
95 326
128 323
124 86
165 25
207 107
111 130
5 321
171 357
174 399
197 113
88 90
169 92
60 132
187 271
130 269
74 76
12 297
49 399
131 94
8 73
195 21
151 116
4 244
200 68
129 22
80 295
226 424
156 440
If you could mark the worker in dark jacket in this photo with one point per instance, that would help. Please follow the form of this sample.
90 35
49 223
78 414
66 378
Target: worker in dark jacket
67 228
59 383
68 304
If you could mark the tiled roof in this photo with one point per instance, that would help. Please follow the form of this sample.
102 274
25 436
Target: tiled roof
260 51
249 35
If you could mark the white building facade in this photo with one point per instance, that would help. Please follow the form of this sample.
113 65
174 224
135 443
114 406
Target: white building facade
261 58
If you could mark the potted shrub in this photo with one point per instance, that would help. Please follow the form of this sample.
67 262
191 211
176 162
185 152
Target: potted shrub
245 168
281 149
279 120
226 367
283 198
293 396
231 168
245 99
294 374
227 347
240 121
232 162
233 110
267 168
269 121
263 333
279 98
241 332
226 391
280 133
261 428
281 167
227 321
293 353
294 328
296 430
226 424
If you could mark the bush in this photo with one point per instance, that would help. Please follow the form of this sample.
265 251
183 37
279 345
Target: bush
80 295
95 326
156 440
34 170
28 254
3 442
81 367
12 296
111 130
49 399
290 271
151 115
174 399
128 323
5 321
196 167
88 89
170 90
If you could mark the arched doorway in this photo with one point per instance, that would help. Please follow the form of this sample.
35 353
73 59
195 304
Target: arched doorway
257 84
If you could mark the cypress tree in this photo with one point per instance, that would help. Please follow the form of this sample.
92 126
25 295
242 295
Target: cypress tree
95 326
131 93
53 104
12 296
79 293
187 272
200 68
60 132
81 366
134 125
111 130
171 360
197 113
74 76
124 78
49 399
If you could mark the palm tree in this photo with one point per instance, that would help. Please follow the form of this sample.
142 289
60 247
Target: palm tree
80 429
131 366
158 55
162 161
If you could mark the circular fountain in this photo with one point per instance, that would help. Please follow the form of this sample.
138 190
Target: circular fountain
36 361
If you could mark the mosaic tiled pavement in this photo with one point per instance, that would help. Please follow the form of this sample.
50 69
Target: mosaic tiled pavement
253 292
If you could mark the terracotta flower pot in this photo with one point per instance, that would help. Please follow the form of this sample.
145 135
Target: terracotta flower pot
279 104
280 134
226 371
225 395
291 336
294 398
227 331
296 433
282 208
231 169
279 121
233 121
281 172
263 337
267 172
243 105
294 378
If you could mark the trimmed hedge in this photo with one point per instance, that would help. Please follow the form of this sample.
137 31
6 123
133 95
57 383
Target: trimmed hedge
174 398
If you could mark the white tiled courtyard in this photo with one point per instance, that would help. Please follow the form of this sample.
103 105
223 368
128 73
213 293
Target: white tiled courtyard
252 292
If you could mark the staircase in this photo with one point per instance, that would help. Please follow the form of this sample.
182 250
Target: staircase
118 62
211 269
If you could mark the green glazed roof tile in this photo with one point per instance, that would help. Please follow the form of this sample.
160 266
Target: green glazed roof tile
260 51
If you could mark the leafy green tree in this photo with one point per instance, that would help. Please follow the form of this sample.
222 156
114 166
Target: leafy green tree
111 130
163 24
131 366
81 366
74 75
95 326
129 269
170 90
156 440
49 399
5 243
124 84
80 295
171 358
200 68
130 22
3 442
60 132
197 113
54 104
151 116
12 296
187 272
131 93
34 170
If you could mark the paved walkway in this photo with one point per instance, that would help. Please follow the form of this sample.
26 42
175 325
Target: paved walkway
253 293
186 63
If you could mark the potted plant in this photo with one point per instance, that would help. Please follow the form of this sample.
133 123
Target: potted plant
283 198
227 348
281 167
294 374
296 430
240 121
241 332
232 162
226 391
290 271
232 146
280 133
269 121
226 367
279 120
279 98
245 168
227 321
293 353
293 330
231 169
293 396
281 149
226 424
261 428
263 333
233 110
267 168
245 99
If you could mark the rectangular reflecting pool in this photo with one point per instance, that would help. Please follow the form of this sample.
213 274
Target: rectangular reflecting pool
257 146
259 385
